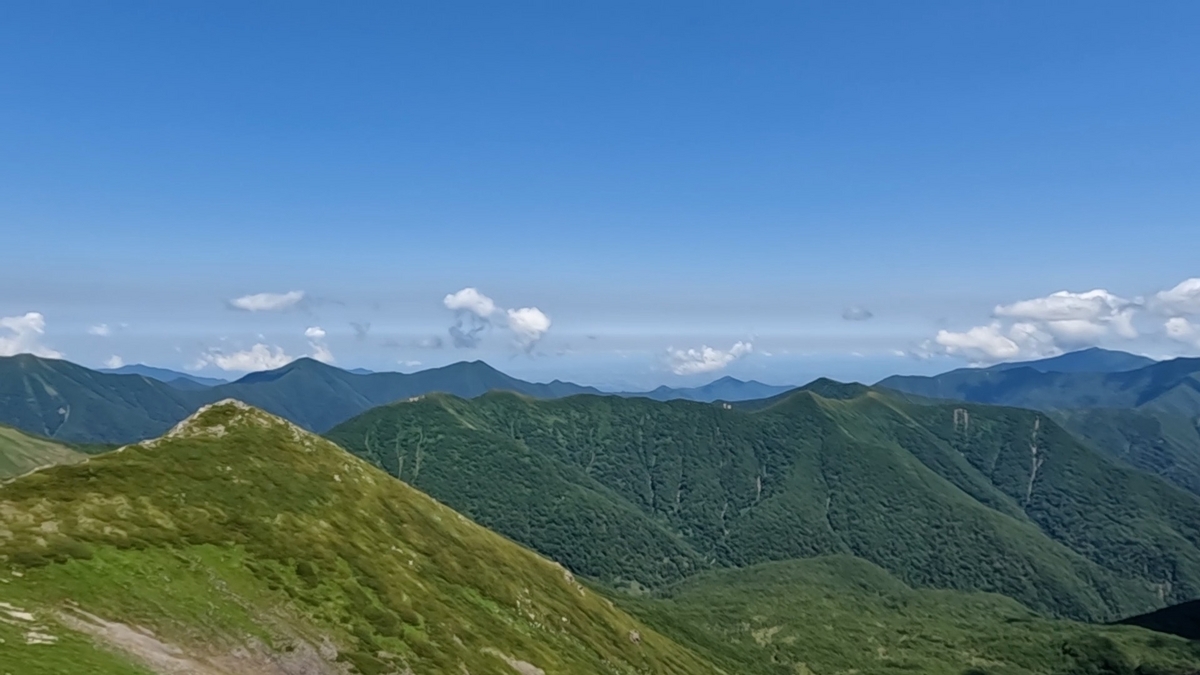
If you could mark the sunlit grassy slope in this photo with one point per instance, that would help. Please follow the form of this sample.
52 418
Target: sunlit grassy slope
239 541
21 453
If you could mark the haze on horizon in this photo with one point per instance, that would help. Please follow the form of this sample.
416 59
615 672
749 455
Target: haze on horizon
620 195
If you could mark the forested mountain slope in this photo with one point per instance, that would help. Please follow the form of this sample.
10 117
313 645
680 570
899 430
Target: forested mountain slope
1148 418
953 496
1164 386
840 614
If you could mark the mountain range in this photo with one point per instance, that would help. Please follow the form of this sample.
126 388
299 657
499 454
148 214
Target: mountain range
725 389
1148 417
239 544
642 494
58 399
183 380
1091 360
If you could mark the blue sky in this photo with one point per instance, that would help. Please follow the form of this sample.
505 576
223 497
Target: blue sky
652 178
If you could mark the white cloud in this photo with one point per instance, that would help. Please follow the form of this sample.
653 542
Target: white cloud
1180 329
100 329
1040 327
321 353
706 359
316 340
409 364
24 335
1076 319
529 324
992 343
1182 300
114 362
474 315
267 302
258 357
471 300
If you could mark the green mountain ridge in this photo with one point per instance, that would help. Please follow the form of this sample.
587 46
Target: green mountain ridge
67 402
238 544
60 400
641 493
1148 418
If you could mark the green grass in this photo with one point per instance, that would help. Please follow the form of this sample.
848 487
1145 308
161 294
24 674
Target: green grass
21 453
843 615
244 527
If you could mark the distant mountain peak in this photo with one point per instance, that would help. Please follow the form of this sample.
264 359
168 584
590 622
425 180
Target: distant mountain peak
162 374
1089 360
829 388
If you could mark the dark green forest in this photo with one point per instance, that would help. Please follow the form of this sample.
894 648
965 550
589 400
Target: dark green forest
640 494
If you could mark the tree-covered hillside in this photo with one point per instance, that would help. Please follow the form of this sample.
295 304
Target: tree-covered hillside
1147 417
841 614
969 497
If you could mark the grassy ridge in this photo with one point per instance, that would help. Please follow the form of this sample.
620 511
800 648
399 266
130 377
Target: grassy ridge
242 529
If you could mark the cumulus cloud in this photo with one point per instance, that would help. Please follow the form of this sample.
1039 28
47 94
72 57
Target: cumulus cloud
529 324
1180 329
23 335
856 314
705 359
993 343
259 357
409 364
114 362
475 313
1182 300
267 302
1040 327
472 316
100 329
1076 319
471 300
316 341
